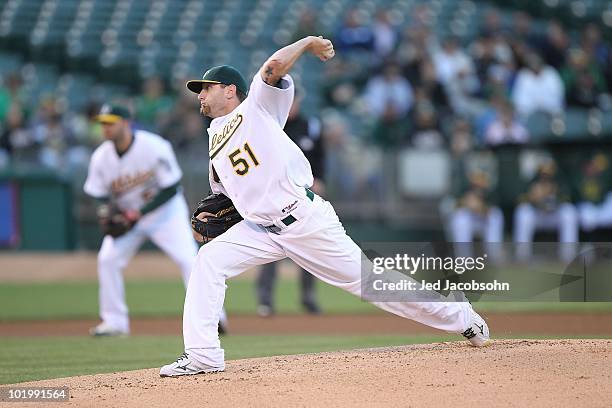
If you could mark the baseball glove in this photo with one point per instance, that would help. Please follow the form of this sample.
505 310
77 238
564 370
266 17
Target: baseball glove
113 221
219 214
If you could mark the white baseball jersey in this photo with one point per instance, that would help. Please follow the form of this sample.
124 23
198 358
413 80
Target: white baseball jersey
136 176
253 161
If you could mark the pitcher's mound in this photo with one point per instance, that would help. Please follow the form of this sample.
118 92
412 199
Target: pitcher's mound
526 373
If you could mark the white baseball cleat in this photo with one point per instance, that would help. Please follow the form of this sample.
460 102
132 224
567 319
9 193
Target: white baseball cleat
478 331
187 366
104 329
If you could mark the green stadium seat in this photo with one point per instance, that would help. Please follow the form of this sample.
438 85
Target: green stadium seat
576 123
539 126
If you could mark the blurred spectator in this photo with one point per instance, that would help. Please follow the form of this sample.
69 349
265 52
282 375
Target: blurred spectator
545 205
607 68
350 169
353 35
506 129
452 62
413 50
463 96
494 64
492 24
385 35
184 125
457 73
522 29
58 146
388 97
476 213
153 105
339 82
422 16
307 24
16 139
5 103
499 80
520 52
11 93
595 191
461 143
426 131
583 79
538 87
554 45
429 87
591 42
306 133
486 118
485 58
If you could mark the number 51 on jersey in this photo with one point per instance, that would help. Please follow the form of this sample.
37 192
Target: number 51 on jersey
240 164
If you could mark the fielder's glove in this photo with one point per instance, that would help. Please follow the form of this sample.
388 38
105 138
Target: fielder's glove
213 216
113 221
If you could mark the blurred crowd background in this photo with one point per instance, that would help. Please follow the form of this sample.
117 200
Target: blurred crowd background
439 119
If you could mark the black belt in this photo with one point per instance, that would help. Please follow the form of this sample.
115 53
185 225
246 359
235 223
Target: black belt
288 220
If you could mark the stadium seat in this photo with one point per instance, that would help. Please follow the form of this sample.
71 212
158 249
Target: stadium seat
539 126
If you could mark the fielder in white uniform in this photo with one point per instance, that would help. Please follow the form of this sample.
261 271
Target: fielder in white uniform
476 213
595 204
256 164
546 205
137 171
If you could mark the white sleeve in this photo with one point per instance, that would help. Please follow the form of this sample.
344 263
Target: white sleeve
168 171
274 100
94 184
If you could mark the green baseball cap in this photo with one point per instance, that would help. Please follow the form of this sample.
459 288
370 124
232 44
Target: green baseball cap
223 74
113 113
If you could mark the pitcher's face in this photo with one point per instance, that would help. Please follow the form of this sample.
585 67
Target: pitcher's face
212 99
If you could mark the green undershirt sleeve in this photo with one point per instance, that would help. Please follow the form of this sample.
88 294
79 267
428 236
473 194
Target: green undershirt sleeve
163 196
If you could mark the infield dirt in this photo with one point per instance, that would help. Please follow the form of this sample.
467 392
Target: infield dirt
517 373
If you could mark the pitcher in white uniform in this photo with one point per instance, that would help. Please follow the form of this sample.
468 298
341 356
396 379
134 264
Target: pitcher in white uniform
137 171
253 162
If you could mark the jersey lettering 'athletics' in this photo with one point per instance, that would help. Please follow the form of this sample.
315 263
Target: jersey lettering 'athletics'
136 176
256 164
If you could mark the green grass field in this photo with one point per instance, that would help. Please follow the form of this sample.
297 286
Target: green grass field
33 358
74 300
71 300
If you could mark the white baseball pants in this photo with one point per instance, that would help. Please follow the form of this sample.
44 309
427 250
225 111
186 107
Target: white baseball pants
465 224
168 227
316 242
528 219
593 216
